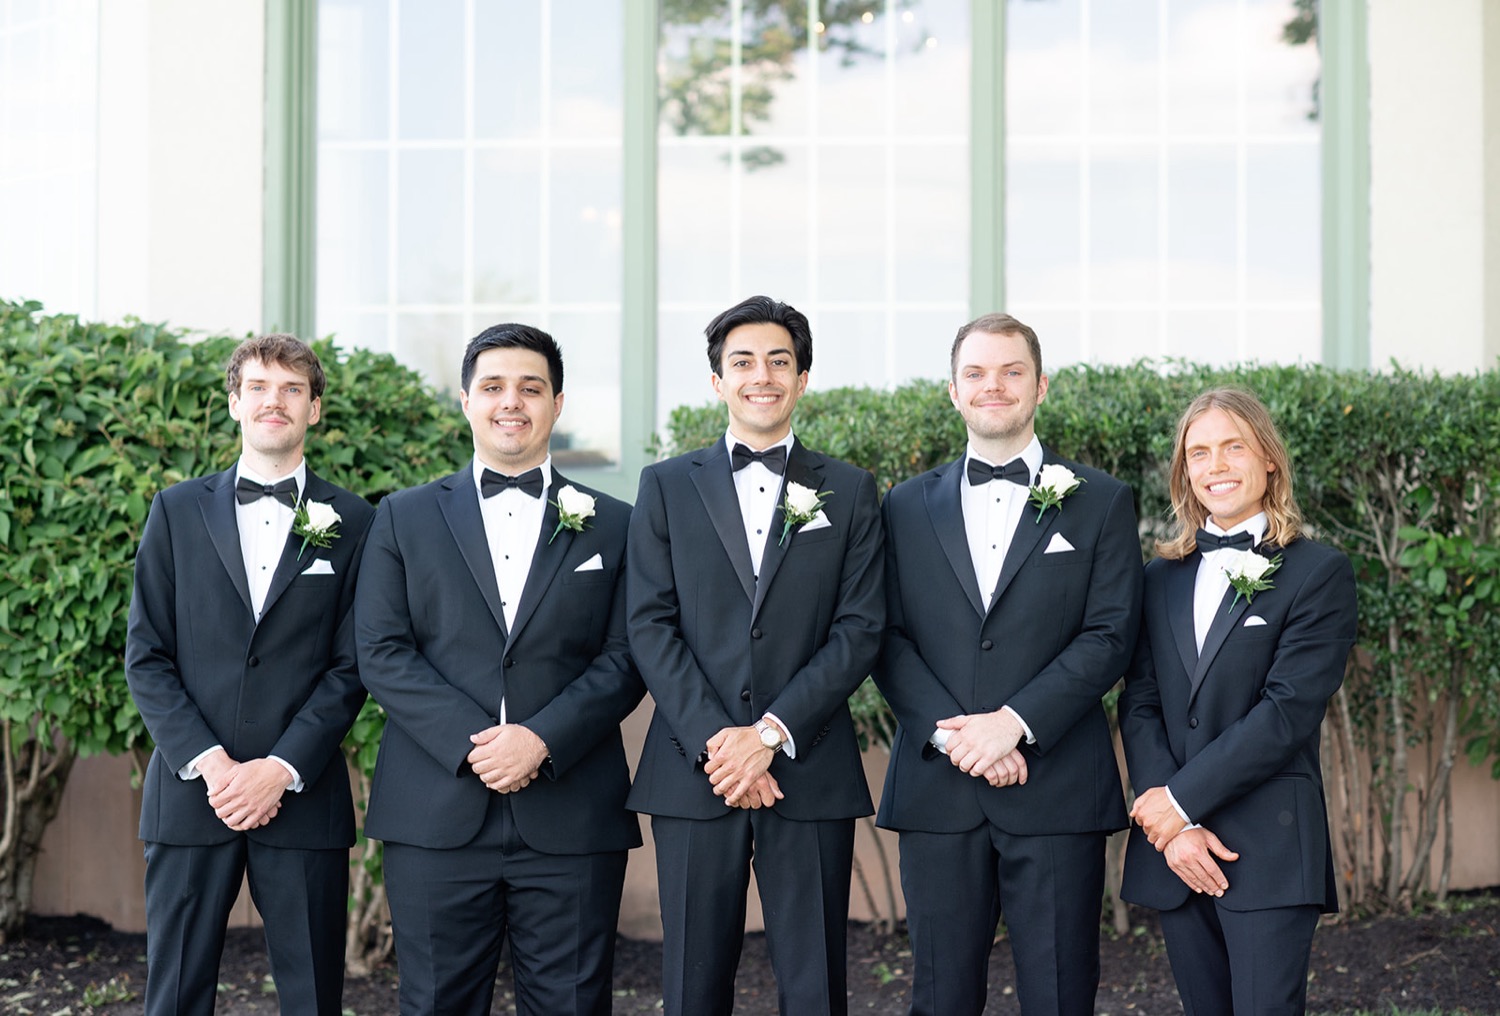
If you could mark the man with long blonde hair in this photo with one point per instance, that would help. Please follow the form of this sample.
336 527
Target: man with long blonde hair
1246 627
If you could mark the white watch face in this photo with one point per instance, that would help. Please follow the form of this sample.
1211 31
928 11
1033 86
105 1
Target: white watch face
769 736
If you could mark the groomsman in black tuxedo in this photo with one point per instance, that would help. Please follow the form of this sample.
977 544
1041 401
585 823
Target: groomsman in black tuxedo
490 623
755 610
1247 628
240 657
1013 596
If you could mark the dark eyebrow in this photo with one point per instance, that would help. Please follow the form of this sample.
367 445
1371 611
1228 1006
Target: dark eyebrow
769 352
521 380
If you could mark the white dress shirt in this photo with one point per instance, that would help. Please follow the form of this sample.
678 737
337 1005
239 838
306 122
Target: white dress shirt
1209 587
757 489
991 513
512 526
263 526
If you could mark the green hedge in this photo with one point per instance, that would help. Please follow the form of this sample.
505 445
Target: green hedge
1400 469
94 419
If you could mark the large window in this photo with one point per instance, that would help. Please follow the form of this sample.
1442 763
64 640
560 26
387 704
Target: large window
1163 179
818 154
49 54
469 173
1160 185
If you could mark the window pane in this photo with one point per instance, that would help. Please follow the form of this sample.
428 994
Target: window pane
431 74
495 195
836 177
1184 191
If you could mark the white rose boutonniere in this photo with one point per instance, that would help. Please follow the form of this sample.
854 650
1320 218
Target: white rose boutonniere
317 523
574 507
1249 573
801 506
1055 483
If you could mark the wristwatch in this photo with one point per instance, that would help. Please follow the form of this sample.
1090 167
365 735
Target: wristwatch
770 734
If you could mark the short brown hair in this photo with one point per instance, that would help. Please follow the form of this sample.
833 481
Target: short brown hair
1283 517
996 324
286 350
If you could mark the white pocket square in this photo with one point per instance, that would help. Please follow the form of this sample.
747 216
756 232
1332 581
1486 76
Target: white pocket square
595 563
1058 545
819 521
320 566
1253 620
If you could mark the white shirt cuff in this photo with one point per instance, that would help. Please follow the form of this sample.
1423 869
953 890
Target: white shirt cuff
1030 737
296 785
190 771
1180 813
789 746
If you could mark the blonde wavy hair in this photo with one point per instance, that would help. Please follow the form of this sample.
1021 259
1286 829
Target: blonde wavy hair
1283 517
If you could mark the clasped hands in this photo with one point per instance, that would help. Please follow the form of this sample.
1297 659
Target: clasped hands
738 768
507 757
244 795
1193 853
986 745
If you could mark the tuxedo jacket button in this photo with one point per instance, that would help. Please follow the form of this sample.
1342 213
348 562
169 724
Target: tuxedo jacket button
254 661
510 661
745 695
986 645
755 633
1192 722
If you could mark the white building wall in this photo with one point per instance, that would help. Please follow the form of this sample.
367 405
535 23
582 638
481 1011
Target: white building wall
181 162
1435 252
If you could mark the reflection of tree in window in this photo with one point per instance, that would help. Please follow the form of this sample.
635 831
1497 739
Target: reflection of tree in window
1302 29
696 72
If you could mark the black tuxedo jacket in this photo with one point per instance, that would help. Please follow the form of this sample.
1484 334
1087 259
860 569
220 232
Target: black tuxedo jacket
717 648
1233 732
434 651
202 672
1056 637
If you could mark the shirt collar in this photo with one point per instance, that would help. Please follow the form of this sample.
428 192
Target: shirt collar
546 467
1031 455
1255 525
243 471
730 441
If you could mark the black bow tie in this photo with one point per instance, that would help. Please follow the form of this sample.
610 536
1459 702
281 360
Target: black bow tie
1239 541
285 491
529 482
773 459
1015 471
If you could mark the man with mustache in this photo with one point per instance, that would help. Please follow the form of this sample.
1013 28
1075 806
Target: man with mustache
240 657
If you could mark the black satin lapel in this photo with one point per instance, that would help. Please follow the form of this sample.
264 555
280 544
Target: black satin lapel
290 565
800 468
459 503
715 483
1181 580
545 560
1225 618
217 506
945 509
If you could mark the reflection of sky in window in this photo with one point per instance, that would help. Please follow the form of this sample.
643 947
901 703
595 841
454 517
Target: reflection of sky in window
1163 176
490 191
845 194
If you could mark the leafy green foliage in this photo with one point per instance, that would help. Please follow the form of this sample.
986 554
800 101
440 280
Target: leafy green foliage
1400 469
94 420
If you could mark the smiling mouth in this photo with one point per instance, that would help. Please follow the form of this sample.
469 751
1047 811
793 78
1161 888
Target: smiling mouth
1222 486
763 398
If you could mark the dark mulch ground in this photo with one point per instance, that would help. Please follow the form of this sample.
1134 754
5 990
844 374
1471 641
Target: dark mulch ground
1446 962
